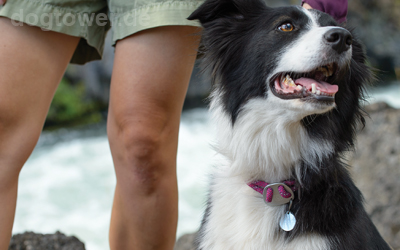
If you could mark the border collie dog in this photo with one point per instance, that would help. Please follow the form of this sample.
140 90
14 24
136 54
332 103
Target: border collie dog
287 87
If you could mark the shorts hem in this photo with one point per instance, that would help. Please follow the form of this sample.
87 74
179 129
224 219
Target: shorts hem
170 13
48 17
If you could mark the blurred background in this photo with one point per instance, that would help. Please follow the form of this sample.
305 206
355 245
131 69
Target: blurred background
68 182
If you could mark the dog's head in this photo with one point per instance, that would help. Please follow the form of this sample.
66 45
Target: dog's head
299 62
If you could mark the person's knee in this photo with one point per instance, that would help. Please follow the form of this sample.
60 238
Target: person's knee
142 149
140 152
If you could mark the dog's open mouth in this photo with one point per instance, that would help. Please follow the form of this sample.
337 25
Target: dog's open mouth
314 85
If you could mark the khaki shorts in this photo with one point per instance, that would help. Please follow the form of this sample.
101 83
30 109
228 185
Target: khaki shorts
91 19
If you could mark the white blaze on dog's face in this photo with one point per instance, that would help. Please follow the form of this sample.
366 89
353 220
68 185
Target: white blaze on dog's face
306 70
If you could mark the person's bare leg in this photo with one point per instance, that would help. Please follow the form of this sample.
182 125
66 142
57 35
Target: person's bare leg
150 78
32 63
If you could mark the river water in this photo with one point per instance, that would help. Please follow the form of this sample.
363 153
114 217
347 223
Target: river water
68 182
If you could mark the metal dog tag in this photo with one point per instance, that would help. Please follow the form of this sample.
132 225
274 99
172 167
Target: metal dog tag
277 199
288 221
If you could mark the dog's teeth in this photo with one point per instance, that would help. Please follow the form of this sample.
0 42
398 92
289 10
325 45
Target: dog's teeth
288 82
299 87
330 69
313 88
285 81
318 92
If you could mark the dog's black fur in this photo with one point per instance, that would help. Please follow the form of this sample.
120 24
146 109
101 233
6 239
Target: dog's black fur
240 40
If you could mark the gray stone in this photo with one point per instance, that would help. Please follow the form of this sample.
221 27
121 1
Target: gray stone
376 169
186 242
33 241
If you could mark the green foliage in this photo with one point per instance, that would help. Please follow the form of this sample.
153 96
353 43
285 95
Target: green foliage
70 107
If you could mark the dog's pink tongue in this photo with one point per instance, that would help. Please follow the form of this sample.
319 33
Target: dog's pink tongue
322 86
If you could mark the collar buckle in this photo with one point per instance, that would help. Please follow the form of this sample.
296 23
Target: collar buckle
277 194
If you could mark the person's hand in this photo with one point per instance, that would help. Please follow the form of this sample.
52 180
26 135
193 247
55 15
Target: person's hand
2 2
305 5
336 9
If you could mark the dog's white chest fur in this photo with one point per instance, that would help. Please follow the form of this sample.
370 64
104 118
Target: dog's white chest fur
238 218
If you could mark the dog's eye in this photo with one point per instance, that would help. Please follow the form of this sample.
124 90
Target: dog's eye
287 27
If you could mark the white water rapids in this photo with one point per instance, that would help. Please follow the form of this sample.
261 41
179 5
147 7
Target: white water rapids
68 185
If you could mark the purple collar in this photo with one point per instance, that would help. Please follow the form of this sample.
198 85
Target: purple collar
286 190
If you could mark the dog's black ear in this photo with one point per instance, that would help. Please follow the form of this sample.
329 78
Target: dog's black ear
211 10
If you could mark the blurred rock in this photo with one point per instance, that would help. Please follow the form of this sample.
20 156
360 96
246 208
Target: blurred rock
199 88
186 242
33 241
376 169
377 25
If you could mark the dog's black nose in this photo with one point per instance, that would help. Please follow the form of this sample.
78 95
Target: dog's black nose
339 39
